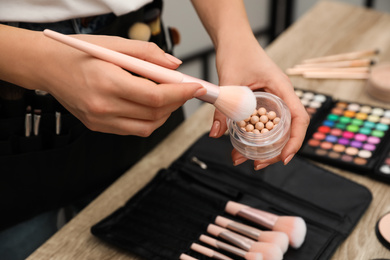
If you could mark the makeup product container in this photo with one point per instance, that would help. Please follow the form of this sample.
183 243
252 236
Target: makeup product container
266 145
378 85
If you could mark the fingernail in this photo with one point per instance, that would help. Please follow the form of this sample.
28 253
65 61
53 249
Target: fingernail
288 159
173 59
215 129
200 92
239 161
261 166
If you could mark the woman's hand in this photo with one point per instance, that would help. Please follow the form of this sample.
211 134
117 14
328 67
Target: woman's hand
246 64
103 96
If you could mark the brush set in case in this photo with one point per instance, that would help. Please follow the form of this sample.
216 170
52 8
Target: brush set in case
348 135
203 207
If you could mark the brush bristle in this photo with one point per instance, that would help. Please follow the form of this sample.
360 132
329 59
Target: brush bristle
236 102
268 250
275 237
294 227
254 256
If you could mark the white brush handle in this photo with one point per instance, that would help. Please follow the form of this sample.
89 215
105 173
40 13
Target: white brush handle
146 69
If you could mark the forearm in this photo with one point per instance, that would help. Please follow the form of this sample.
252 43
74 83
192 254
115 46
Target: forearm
20 56
224 20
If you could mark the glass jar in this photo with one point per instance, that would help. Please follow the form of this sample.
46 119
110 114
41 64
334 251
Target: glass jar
265 145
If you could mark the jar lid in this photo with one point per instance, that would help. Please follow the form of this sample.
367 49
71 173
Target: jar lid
378 84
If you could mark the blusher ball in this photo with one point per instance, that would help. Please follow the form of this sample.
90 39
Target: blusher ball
249 128
269 125
262 111
242 123
264 119
271 115
254 119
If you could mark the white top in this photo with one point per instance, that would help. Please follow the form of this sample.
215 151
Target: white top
41 11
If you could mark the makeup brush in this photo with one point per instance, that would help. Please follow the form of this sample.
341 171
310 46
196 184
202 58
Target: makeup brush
343 56
232 249
268 250
338 64
187 257
294 227
236 102
209 252
273 237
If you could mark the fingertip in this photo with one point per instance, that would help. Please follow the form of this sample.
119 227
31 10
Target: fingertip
200 92
216 127
173 59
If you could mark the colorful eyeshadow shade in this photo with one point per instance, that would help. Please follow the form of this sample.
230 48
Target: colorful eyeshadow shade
331 138
308 95
352 151
378 133
346 158
373 118
345 120
342 104
353 128
320 98
382 127
377 111
343 141
315 104
385 120
336 132
319 136
333 117
360 161
314 142
369 147
326 145
364 154
340 126
365 131
361 137
337 111
348 135
339 148
357 122
349 113
361 116
365 109
356 144
329 123
353 107
321 152
369 124
324 129
373 140
334 155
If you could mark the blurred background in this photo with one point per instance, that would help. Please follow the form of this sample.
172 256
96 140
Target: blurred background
268 18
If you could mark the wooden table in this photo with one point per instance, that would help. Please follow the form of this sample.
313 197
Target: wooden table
329 28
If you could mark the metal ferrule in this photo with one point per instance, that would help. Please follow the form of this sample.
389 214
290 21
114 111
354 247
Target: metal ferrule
245 230
260 217
240 241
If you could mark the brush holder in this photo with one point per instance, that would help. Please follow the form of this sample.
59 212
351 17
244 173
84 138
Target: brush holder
265 145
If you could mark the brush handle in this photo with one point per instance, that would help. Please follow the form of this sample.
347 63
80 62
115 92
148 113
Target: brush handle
146 69
221 245
209 252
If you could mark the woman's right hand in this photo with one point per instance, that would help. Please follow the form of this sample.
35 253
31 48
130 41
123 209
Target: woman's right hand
103 96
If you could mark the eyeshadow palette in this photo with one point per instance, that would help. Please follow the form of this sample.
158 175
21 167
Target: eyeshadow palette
348 135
